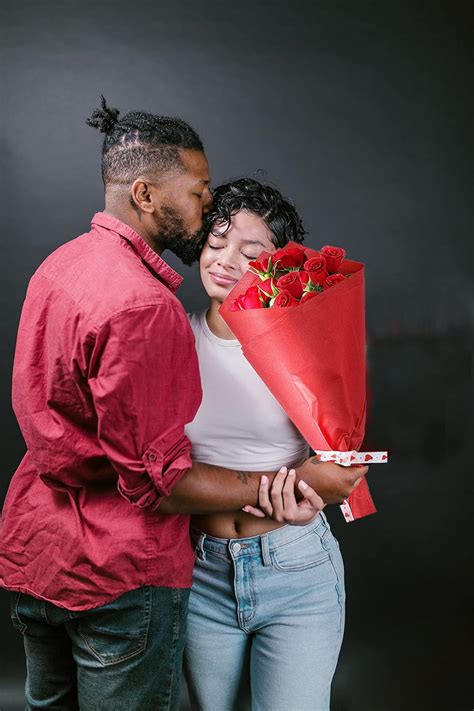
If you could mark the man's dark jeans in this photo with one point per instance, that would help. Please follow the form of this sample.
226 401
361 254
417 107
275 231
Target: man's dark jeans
125 655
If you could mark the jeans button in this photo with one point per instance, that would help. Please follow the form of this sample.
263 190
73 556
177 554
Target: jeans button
236 547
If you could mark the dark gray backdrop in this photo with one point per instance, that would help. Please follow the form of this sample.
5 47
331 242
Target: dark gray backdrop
361 112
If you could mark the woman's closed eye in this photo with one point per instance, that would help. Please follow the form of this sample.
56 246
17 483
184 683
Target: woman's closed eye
247 256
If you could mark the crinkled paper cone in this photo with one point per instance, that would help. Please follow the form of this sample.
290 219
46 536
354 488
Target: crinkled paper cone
312 358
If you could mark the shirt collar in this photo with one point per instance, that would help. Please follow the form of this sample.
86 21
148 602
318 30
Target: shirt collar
163 270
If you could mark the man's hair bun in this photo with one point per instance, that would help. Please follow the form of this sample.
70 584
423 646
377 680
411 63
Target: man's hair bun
104 118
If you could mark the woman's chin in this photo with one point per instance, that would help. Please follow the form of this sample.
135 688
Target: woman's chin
219 293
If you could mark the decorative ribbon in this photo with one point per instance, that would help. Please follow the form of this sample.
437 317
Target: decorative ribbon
347 459
364 504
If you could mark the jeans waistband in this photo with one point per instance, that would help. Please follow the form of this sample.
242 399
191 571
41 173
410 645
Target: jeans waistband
262 544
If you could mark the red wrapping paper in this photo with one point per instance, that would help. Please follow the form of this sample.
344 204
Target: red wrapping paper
312 358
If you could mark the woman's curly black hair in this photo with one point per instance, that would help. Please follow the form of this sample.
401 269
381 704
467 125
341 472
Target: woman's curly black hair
267 202
140 143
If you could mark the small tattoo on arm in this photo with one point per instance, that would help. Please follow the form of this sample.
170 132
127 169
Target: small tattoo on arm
243 477
315 461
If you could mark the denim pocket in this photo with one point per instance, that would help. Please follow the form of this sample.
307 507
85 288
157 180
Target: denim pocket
17 622
118 630
301 554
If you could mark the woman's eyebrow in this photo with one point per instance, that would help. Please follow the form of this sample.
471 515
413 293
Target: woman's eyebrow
252 241
244 241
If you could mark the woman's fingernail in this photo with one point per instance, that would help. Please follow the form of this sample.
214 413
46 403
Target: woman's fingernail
302 485
291 472
245 508
283 470
264 479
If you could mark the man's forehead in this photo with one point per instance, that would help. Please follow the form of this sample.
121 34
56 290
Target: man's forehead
196 165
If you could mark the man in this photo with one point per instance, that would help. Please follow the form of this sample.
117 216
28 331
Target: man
94 538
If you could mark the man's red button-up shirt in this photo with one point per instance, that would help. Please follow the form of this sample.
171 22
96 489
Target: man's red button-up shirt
105 378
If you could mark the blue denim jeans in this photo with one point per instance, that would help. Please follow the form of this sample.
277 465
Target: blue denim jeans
123 655
265 620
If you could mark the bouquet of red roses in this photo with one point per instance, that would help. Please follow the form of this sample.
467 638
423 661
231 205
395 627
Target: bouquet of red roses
299 315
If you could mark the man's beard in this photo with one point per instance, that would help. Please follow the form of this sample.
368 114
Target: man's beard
172 235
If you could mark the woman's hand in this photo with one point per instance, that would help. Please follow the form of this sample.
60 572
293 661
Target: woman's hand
280 503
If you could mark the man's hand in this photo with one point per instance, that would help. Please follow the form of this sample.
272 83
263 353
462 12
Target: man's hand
281 504
333 482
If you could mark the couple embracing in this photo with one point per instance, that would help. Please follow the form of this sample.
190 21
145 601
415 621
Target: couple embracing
166 506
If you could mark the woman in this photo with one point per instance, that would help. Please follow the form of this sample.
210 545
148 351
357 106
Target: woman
266 612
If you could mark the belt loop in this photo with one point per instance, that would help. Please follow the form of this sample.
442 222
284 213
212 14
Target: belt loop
265 550
200 552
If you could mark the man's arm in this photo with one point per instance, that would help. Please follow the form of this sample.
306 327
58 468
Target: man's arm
208 489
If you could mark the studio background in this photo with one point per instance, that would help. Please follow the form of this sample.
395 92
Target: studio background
361 112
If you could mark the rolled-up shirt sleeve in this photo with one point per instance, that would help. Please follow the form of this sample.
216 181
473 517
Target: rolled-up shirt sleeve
145 385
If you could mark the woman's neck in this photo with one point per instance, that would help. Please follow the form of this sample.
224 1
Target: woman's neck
216 323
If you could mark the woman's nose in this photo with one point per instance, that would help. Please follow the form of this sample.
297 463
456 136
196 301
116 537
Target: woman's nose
207 203
227 259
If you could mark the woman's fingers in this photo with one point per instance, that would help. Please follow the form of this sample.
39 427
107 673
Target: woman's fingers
276 494
279 503
263 499
289 499
254 511
310 496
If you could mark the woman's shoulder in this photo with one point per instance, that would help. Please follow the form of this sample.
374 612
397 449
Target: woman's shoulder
195 319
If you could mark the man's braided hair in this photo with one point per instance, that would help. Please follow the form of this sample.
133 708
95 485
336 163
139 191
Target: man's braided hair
140 144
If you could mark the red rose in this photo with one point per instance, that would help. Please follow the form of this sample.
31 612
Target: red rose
334 257
304 278
333 279
264 267
288 257
291 282
308 295
267 289
284 298
251 299
316 267
310 253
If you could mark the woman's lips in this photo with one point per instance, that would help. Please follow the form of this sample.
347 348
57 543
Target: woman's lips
222 280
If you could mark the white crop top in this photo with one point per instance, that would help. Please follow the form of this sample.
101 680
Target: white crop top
239 425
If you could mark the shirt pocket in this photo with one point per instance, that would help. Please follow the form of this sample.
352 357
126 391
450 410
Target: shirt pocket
117 631
303 553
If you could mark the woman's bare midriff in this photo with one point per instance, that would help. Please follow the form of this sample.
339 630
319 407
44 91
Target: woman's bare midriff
236 524
233 525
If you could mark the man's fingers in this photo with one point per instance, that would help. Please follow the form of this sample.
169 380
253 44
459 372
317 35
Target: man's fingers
358 471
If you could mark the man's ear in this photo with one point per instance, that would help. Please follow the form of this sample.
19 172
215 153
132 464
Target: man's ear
143 197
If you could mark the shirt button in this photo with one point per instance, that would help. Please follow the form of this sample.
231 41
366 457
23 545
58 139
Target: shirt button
236 547
152 457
